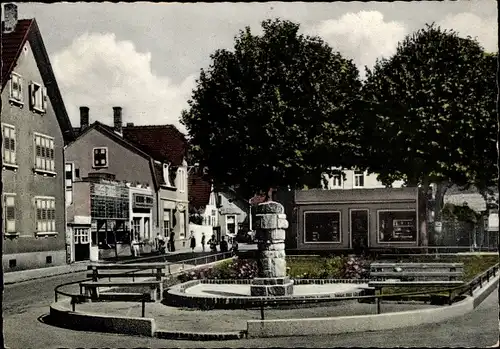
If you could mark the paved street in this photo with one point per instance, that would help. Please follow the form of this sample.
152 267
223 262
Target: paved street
26 302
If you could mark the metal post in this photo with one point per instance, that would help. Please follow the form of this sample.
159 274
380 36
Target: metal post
480 282
55 296
377 299
73 303
206 260
143 310
262 311
471 290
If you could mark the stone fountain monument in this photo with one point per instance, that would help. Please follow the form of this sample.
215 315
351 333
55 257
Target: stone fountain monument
270 235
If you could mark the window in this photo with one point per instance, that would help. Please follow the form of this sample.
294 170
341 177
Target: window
45 215
16 89
359 179
136 226
9 205
397 226
38 97
166 175
231 225
100 157
181 174
337 181
44 154
82 236
69 176
9 145
167 215
77 173
322 227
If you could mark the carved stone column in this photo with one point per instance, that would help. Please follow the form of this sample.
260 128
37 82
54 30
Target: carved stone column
270 235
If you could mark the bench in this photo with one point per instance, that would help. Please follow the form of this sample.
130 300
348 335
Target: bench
124 271
415 275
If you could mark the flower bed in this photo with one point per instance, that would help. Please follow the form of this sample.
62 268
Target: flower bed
339 267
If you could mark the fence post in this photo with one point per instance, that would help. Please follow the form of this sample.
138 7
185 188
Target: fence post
143 310
55 296
471 289
206 260
480 282
377 299
262 311
73 303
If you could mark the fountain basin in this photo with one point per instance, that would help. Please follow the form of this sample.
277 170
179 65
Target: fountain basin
236 294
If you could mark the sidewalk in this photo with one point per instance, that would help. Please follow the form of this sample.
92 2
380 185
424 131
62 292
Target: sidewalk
32 274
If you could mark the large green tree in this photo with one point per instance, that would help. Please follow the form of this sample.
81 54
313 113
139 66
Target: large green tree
274 112
430 115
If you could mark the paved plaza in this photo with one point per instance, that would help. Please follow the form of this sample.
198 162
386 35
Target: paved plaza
194 320
244 290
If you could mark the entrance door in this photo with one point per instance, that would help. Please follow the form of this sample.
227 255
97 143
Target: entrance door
82 244
359 230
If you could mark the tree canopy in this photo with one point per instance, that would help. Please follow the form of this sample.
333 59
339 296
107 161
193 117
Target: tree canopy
275 111
433 115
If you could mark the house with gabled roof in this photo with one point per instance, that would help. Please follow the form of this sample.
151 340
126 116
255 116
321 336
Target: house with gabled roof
35 127
150 161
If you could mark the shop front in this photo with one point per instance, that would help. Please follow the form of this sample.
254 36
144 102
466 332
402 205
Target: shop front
356 219
110 232
141 216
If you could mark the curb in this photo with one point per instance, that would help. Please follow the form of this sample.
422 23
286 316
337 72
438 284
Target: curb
367 323
200 336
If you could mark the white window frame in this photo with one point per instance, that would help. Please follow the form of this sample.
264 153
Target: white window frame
69 182
9 132
44 164
181 174
322 242
167 223
166 175
81 236
47 226
417 228
235 222
356 175
93 157
16 96
38 97
10 227
340 181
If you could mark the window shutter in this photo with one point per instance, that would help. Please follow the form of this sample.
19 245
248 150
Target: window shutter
44 98
20 88
32 95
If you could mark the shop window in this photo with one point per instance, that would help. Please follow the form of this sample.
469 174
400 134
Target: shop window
397 226
322 227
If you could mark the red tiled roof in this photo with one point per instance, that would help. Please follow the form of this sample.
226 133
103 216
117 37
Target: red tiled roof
162 142
198 191
12 44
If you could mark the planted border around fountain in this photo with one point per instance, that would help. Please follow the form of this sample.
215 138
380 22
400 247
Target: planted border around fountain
176 295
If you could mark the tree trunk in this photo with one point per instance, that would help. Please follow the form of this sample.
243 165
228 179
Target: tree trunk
424 238
441 189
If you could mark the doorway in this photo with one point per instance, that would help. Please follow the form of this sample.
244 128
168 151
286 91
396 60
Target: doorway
82 244
359 230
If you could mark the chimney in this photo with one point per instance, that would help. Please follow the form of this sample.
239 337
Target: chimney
84 118
10 18
117 120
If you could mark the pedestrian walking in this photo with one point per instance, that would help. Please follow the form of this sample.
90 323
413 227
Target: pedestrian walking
193 242
223 245
135 246
203 241
213 243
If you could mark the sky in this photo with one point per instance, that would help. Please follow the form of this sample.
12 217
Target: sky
146 57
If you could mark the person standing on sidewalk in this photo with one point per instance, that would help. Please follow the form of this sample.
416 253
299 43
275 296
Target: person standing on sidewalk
172 240
193 242
203 241
135 246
